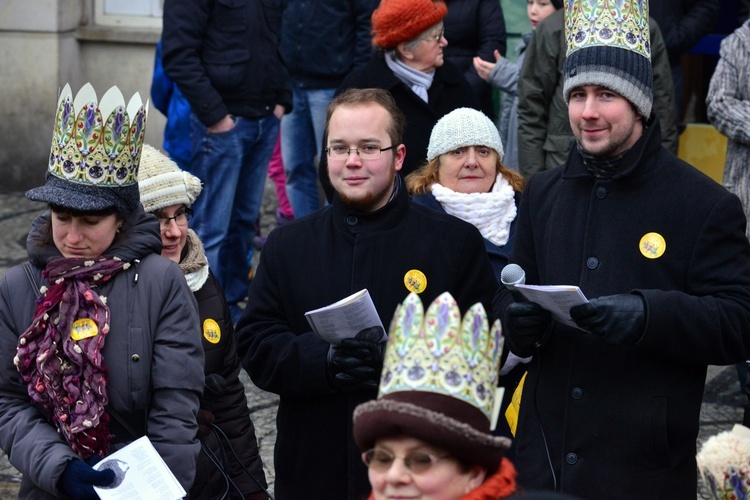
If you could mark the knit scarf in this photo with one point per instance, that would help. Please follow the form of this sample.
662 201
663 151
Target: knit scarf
59 356
418 81
194 264
501 484
492 213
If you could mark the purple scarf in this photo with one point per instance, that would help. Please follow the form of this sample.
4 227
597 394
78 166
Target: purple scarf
59 356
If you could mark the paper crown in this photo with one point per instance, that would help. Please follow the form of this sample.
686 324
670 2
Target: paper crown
97 144
613 23
438 352
724 463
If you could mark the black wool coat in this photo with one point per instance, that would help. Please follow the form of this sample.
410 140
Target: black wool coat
316 261
621 421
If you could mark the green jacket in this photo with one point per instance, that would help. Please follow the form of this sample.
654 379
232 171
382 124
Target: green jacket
544 133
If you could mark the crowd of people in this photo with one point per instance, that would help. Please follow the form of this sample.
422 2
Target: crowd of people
396 175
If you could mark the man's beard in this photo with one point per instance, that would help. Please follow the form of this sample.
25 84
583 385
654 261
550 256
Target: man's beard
366 203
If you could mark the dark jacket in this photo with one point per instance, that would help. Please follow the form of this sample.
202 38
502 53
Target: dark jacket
683 23
475 28
621 421
223 55
323 40
228 404
544 134
498 255
152 353
449 91
316 261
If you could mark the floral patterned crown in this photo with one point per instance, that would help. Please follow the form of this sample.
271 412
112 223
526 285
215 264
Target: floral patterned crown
615 23
438 352
98 144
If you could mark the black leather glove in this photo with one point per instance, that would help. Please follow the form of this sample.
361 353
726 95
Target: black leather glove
79 478
355 364
525 325
618 319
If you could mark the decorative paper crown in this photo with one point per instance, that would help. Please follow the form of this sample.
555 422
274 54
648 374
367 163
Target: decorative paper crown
615 23
97 144
439 353
724 463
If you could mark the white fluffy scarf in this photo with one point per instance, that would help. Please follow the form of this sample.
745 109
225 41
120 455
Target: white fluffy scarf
491 213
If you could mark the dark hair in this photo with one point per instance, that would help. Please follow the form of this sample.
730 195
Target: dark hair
383 98
557 4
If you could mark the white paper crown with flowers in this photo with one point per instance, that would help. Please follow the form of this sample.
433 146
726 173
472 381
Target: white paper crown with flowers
97 144
438 352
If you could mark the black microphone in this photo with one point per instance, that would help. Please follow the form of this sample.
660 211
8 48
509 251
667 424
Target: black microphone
512 275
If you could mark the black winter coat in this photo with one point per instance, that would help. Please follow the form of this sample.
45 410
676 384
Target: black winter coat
683 23
475 28
449 91
229 406
223 55
621 421
318 260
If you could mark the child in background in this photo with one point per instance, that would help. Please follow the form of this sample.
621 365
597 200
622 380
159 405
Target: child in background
503 75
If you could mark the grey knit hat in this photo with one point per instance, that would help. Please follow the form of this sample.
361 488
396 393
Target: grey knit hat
163 184
610 47
461 128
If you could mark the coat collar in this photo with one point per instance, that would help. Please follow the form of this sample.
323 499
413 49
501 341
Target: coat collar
384 218
636 160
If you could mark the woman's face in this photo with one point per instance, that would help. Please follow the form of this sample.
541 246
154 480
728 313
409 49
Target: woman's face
470 169
427 55
83 236
174 228
443 480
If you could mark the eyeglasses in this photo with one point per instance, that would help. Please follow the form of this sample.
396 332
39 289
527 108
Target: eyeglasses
181 218
435 38
417 462
364 152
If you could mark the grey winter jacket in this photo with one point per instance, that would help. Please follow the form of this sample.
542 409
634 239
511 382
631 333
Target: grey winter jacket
544 134
153 353
729 111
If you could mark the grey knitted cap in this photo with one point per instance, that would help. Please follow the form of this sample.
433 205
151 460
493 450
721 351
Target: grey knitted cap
461 128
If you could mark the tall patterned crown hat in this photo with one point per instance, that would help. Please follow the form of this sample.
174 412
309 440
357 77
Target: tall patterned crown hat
438 382
96 149
609 45
724 463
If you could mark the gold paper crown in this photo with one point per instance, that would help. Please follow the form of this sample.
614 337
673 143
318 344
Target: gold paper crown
439 353
97 144
616 23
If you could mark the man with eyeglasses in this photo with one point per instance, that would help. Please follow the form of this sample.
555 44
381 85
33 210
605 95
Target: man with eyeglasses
371 236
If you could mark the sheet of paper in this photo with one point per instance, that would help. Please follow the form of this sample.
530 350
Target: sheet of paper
353 316
557 299
140 473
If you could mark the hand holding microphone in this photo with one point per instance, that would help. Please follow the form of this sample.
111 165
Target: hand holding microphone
525 322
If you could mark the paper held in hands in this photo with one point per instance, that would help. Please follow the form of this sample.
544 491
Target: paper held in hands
557 299
141 473
354 316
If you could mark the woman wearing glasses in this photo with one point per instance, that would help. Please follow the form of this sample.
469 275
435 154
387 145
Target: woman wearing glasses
168 192
410 65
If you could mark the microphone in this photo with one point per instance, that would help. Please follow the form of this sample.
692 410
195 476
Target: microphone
512 275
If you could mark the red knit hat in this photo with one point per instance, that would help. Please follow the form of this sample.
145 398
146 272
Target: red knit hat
397 21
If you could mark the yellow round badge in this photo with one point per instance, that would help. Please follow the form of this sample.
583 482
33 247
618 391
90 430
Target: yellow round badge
652 245
211 331
415 281
83 328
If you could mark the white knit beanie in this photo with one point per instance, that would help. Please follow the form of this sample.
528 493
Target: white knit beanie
163 184
461 128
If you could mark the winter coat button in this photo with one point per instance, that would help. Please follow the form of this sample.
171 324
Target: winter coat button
592 262
601 192
571 458
351 220
135 358
577 393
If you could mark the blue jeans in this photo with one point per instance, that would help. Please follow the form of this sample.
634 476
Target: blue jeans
233 167
301 141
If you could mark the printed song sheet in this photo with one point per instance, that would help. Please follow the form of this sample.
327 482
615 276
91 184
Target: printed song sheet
352 316
557 299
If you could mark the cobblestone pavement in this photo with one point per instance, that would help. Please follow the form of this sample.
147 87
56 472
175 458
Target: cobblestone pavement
722 404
